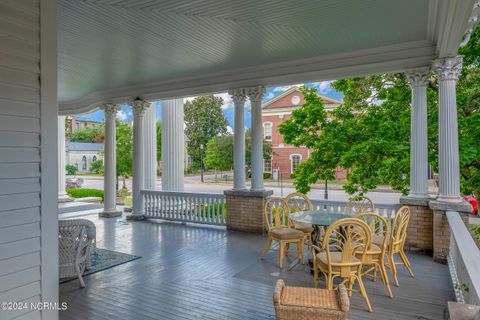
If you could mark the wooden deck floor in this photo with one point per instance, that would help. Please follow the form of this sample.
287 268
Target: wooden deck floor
189 272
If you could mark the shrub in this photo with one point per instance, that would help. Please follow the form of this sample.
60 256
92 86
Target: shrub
84 193
97 167
267 175
71 169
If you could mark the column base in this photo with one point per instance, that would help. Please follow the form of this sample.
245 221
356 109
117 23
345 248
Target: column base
420 227
245 210
136 217
110 214
441 228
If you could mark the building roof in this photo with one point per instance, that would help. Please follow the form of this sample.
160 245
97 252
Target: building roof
84 146
281 101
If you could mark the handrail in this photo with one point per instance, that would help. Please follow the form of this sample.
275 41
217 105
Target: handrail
386 210
205 208
463 261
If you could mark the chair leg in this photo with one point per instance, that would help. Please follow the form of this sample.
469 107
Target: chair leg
281 253
315 273
80 278
302 251
405 261
364 292
350 286
287 247
329 280
384 275
393 268
267 246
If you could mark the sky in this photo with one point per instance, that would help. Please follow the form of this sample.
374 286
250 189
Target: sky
125 113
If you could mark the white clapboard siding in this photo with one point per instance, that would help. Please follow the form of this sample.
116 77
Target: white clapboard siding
20 242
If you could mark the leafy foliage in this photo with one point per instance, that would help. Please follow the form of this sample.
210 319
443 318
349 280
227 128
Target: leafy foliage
370 133
93 134
204 120
124 149
84 193
71 169
97 167
219 153
159 140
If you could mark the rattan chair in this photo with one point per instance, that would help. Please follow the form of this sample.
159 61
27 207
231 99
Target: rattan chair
396 242
359 204
294 303
298 201
375 256
344 248
280 228
76 239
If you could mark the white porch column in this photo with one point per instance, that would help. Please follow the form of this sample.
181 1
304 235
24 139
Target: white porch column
62 192
448 71
418 80
150 165
110 176
238 97
139 107
255 94
173 145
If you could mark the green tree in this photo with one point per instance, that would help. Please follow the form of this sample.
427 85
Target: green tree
159 141
97 167
93 134
267 148
204 120
370 133
219 153
124 149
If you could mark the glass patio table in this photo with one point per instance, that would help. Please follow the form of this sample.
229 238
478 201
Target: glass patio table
317 218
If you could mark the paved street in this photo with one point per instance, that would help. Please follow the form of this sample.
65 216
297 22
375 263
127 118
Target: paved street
193 184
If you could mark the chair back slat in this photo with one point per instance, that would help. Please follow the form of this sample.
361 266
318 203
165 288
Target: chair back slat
276 213
359 204
298 201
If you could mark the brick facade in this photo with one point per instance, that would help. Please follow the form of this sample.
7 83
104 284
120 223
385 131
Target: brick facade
245 210
274 113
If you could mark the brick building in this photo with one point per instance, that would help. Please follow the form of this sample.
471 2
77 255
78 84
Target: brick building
286 157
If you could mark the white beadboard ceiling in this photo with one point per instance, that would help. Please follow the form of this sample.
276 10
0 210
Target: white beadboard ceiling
107 45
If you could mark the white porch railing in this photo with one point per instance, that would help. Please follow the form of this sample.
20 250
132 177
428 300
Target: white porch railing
385 210
463 261
184 206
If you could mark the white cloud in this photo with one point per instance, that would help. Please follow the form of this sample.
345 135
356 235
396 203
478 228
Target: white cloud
280 89
229 129
227 100
122 115
323 87
270 95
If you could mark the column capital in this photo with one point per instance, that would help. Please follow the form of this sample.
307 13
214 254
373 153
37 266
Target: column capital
110 109
255 93
448 68
238 95
418 77
139 106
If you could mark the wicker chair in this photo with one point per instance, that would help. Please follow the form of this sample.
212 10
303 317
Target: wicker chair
294 303
375 256
298 201
396 242
280 229
359 204
76 238
344 248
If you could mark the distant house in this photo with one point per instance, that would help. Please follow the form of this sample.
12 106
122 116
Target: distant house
82 154
286 158
73 124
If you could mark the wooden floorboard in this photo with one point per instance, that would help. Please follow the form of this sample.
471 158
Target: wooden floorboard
198 272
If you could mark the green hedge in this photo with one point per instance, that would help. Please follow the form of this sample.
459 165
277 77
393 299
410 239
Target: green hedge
83 193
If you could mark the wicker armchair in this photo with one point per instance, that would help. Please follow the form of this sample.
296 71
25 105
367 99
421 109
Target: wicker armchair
76 238
297 303
298 201
359 204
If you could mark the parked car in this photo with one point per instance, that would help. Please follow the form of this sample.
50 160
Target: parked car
74 183
473 202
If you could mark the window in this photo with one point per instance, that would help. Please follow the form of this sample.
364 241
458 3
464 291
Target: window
84 163
267 131
295 159
267 165
94 158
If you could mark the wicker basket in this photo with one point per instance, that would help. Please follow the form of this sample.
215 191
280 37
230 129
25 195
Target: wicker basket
297 303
